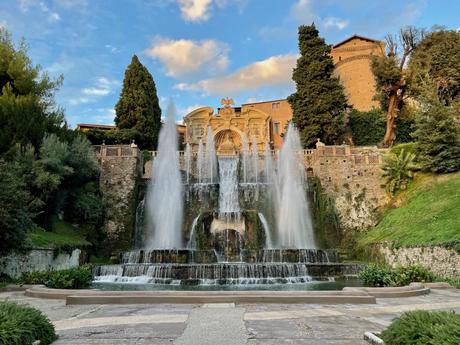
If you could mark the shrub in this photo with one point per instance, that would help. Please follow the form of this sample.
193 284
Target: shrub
375 275
423 327
398 170
20 324
382 275
73 278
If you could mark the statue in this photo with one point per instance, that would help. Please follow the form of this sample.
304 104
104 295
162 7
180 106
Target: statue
227 102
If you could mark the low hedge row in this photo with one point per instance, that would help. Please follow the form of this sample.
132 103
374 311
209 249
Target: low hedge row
21 324
382 275
423 327
73 278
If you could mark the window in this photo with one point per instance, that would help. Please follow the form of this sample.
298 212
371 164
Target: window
276 127
276 105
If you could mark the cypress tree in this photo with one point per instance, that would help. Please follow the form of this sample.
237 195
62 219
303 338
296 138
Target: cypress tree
138 105
319 102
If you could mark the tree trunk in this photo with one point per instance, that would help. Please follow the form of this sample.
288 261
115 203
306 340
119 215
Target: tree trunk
394 105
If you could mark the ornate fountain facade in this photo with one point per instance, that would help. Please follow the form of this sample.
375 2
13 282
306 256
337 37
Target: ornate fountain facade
233 212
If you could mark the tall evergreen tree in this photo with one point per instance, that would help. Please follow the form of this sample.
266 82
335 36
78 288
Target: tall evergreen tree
319 102
138 105
437 133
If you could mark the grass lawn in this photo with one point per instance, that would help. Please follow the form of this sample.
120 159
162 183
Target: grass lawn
63 235
428 213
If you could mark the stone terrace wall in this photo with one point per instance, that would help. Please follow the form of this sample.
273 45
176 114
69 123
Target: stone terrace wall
442 261
120 169
353 177
39 260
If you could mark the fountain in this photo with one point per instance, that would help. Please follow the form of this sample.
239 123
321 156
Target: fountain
165 197
242 225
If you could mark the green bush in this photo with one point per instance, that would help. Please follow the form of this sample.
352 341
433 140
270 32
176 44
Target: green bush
73 278
423 327
382 275
21 324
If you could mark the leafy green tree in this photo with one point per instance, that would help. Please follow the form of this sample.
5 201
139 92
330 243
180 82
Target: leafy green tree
438 134
398 170
367 127
138 105
15 216
391 76
27 107
438 55
319 102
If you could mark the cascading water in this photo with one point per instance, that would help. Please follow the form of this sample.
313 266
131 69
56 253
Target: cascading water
245 156
200 162
210 158
228 187
165 195
293 217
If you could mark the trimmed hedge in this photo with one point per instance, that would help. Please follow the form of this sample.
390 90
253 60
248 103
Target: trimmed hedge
73 278
21 325
423 327
381 275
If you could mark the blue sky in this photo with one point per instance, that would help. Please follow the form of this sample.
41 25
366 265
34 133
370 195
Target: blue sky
197 50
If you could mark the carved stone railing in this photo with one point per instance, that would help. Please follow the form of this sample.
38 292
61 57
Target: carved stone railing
116 150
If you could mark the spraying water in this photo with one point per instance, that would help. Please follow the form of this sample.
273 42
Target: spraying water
245 156
268 237
211 158
188 162
293 218
255 160
268 164
199 162
165 199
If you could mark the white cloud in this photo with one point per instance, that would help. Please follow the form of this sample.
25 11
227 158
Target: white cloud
3 24
273 71
195 10
184 111
200 10
302 11
104 116
93 91
331 22
102 87
24 6
182 57
112 48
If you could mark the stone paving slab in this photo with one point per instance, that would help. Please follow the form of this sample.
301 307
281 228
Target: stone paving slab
212 326
252 324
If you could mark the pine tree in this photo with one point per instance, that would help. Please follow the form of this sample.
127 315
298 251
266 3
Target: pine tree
438 134
138 106
319 102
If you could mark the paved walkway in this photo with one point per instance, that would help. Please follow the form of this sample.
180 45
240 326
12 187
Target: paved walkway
224 324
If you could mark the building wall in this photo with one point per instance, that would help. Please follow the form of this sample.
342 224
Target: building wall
352 61
280 113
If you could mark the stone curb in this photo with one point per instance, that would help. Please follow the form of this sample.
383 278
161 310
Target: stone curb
411 290
373 339
238 299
